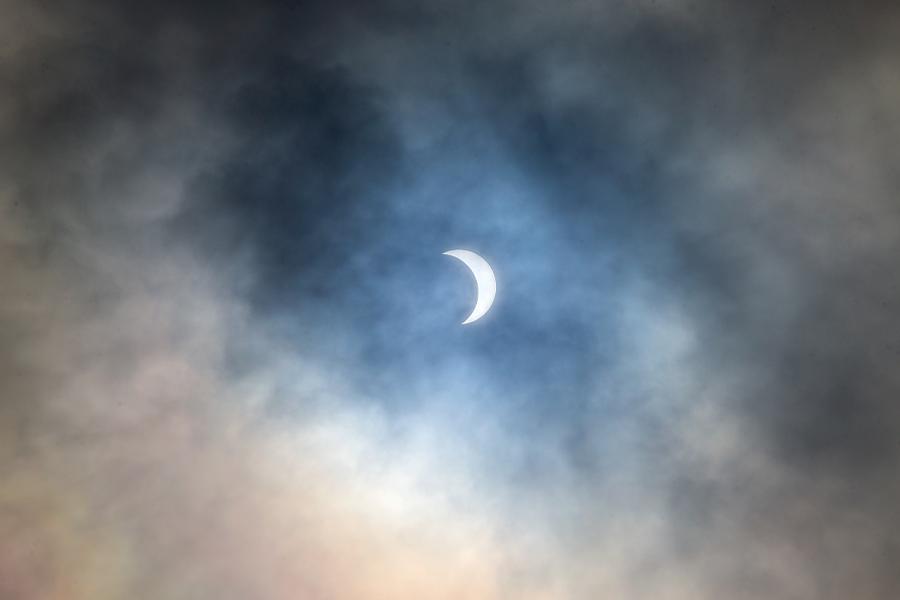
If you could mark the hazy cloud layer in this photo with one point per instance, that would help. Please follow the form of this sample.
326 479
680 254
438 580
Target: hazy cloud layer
230 356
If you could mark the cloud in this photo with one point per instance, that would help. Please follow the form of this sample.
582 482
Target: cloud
229 346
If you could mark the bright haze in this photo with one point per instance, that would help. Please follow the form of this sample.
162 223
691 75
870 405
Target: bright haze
231 359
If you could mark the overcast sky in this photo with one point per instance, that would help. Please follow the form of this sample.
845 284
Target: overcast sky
231 358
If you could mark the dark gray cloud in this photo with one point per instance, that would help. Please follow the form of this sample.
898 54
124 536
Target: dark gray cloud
231 349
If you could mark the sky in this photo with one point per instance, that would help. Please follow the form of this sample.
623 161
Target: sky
231 358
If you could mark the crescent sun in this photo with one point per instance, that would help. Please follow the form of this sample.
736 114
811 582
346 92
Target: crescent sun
485 282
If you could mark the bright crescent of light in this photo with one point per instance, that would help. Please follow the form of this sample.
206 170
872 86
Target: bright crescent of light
485 282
